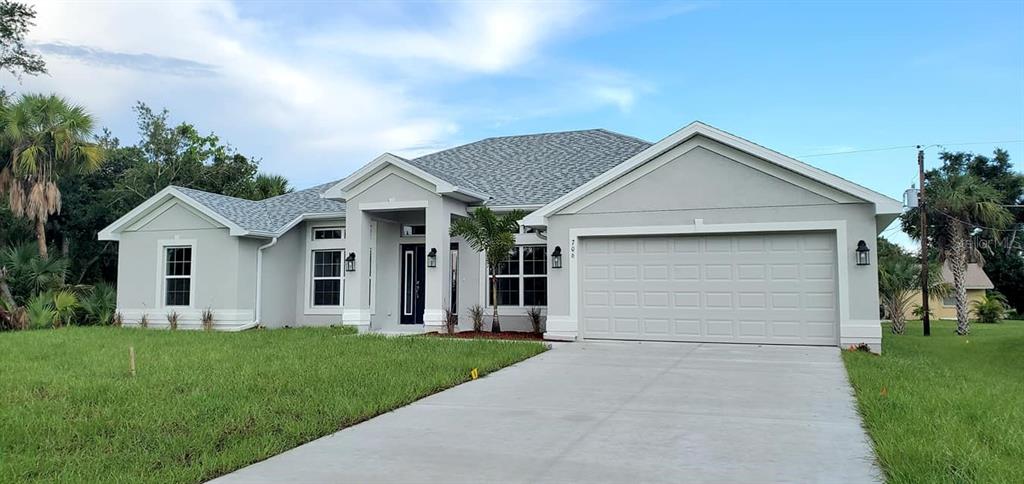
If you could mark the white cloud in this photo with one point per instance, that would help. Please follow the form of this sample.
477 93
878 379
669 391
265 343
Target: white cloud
316 107
312 121
476 36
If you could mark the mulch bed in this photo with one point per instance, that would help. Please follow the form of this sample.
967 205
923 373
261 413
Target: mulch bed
509 335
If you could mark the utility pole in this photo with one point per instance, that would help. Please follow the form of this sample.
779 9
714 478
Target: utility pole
921 207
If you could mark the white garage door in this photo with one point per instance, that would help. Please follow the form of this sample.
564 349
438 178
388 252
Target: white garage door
756 288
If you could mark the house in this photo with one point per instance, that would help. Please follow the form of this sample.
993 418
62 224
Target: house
945 308
701 236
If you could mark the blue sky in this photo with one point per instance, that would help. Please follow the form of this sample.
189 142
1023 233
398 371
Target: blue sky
317 89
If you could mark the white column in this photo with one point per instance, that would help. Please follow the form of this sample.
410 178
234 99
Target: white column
561 323
357 241
437 279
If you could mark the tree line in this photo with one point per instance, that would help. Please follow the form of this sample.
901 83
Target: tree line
974 216
61 182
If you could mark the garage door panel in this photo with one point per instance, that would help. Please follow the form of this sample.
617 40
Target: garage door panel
755 288
686 327
655 272
625 272
753 328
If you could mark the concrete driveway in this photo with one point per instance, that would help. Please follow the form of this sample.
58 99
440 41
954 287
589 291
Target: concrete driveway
611 412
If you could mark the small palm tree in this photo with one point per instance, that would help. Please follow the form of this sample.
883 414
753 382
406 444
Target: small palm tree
964 204
39 311
99 303
44 138
918 311
990 309
23 273
494 235
65 304
898 284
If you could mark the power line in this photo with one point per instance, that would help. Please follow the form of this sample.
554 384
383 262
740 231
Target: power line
969 224
890 148
892 229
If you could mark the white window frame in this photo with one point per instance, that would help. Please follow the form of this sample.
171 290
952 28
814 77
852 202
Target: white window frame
321 245
520 276
340 278
161 273
314 229
951 300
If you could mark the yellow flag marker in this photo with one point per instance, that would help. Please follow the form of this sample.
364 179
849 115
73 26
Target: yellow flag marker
474 374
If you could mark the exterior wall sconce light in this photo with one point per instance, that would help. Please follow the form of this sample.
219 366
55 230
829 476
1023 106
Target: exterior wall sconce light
556 258
863 254
432 258
350 262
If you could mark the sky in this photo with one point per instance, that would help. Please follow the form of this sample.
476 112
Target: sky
317 89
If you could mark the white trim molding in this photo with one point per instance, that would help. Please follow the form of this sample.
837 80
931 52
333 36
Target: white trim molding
341 190
360 318
190 318
113 231
566 327
883 204
392 205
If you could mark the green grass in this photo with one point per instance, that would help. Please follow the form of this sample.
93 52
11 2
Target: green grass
204 404
945 408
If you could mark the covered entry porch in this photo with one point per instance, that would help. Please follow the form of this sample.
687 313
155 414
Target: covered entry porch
403 270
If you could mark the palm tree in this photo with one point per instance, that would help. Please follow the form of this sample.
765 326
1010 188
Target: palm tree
266 186
25 273
898 285
44 138
963 204
494 235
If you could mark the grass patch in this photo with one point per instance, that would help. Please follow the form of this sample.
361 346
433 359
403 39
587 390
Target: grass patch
945 408
205 403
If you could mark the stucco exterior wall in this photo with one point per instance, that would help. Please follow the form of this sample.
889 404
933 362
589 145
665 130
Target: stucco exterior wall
217 269
699 189
940 310
283 268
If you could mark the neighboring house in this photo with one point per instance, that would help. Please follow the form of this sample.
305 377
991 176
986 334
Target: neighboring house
701 236
945 308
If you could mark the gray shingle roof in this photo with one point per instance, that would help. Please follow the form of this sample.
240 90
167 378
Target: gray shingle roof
272 214
531 169
976 277
515 170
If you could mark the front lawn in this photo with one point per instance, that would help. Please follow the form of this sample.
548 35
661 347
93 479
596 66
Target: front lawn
204 404
945 408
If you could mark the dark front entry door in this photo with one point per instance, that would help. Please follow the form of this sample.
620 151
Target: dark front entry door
413 267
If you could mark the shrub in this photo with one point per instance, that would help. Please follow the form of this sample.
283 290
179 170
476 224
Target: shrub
172 320
118 319
65 304
451 320
536 316
207 318
989 309
919 312
99 304
476 313
39 311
